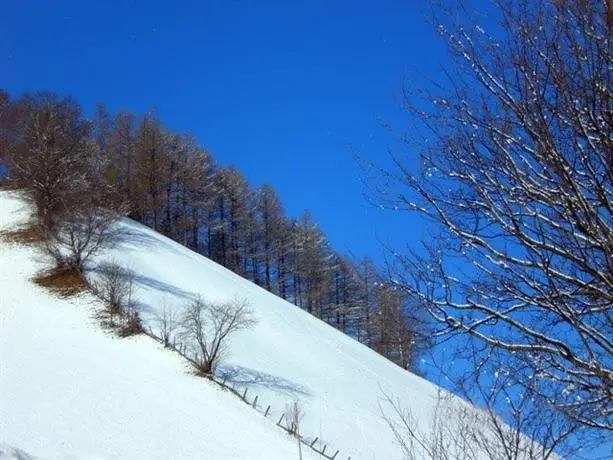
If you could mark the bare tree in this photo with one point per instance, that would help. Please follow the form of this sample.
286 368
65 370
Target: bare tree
122 156
168 322
52 155
310 254
237 192
460 431
282 256
102 126
113 284
397 331
206 328
270 213
517 176
149 148
8 114
195 190
293 416
62 171
342 303
79 231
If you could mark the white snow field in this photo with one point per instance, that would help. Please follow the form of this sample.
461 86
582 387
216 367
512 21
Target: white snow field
70 390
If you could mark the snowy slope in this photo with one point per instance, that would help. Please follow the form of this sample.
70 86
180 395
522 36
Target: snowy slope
67 388
71 391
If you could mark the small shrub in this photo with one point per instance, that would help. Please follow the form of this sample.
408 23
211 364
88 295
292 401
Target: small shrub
131 324
113 285
167 325
293 417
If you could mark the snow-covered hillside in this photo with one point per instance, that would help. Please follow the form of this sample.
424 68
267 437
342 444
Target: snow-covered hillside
70 390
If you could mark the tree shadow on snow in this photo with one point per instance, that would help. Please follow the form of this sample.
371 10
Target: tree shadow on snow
148 283
12 453
132 237
239 375
151 283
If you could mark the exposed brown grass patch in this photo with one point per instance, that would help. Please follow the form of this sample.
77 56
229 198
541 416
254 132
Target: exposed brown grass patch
31 234
8 184
132 325
65 283
123 324
205 375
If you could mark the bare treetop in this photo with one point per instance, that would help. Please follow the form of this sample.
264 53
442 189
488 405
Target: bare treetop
517 175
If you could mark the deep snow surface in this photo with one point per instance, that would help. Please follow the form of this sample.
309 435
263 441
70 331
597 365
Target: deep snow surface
70 390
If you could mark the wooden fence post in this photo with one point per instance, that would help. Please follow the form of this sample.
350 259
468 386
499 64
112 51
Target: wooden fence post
292 429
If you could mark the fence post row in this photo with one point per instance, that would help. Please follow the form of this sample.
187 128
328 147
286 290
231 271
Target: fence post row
180 349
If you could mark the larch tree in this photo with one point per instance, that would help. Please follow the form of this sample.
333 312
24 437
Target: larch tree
216 220
121 147
342 301
282 256
236 192
173 148
102 125
367 277
196 190
311 262
149 146
8 114
270 215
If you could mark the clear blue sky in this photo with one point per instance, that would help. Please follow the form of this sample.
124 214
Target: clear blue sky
282 89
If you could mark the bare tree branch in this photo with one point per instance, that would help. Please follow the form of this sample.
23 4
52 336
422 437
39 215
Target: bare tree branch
517 177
